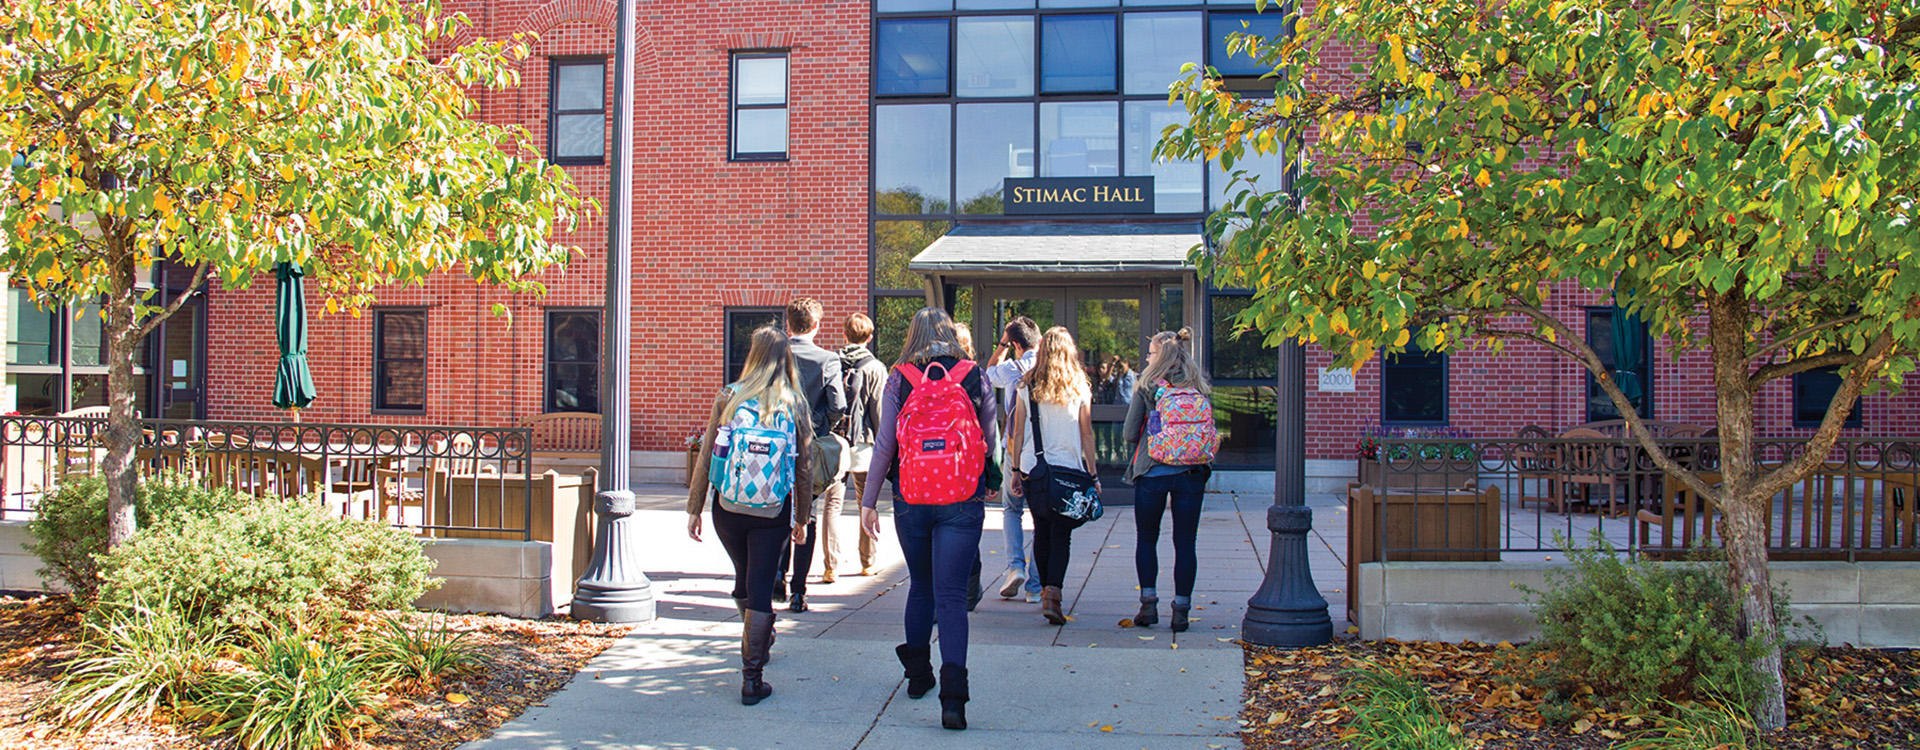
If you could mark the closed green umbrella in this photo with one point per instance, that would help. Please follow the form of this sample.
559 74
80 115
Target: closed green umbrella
292 382
1629 351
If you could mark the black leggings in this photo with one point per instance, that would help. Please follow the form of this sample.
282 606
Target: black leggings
754 544
1052 536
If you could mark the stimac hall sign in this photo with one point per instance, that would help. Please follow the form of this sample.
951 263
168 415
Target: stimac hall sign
1078 195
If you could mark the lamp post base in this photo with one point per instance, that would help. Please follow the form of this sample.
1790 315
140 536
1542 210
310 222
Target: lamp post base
614 588
1288 610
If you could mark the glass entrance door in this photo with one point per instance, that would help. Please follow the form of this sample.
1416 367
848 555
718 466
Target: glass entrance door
182 362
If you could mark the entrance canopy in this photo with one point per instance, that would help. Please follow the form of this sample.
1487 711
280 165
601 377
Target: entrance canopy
1106 249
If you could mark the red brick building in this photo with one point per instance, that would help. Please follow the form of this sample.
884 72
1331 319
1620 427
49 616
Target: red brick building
860 153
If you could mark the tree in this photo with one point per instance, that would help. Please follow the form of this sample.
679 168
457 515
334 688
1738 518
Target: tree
1742 174
228 135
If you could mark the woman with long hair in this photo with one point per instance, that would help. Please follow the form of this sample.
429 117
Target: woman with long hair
1171 368
767 395
938 516
1058 384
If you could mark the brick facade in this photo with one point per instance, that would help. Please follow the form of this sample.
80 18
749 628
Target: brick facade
710 234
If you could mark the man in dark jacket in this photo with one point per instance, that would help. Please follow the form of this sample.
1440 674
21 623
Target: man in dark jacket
820 381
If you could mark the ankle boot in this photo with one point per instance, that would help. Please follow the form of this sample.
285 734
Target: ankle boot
1179 623
953 696
919 663
756 643
1149 612
1050 605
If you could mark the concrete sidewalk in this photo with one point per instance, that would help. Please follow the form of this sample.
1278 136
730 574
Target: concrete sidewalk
674 683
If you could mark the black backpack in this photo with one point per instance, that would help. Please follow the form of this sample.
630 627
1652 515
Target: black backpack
860 424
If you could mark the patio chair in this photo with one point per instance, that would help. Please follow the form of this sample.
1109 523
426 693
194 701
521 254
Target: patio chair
1587 463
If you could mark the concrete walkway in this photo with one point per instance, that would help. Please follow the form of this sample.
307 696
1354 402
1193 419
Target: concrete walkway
674 683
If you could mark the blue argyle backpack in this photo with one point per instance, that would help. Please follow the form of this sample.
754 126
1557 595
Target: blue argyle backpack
752 465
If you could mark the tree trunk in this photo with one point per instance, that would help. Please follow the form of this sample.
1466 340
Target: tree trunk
1743 509
123 431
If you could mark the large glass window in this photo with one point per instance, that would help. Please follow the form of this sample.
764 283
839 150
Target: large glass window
1813 392
1239 356
573 361
1177 186
999 138
898 242
741 323
992 4
1077 54
1601 337
400 360
1157 45
577 112
1079 139
1262 172
1268 24
30 331
890 318
46 345
1413 387
911 58
911 6
994 57
912 152
759 106
1245 416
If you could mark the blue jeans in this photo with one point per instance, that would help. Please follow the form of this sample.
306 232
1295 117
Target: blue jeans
1150 494
941 544
1012 512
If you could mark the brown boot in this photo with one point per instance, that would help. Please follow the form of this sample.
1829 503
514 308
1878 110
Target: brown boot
1050 605
755 644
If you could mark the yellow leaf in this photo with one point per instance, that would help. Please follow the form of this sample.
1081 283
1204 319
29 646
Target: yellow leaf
1500 56
286 172
1483 179
1396 51
1403 338
456 698
1106 728
1369 269
1581 726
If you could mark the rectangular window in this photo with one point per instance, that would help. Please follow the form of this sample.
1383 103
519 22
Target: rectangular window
1269 25
30 331
1604 340
577 112
910 58
994 57
1813 392
1079 139
573 361
759 106
741 323
1157 45
1413 388
400 360
913 159
998 139
1077 54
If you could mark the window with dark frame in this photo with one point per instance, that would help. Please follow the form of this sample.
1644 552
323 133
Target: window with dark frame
1813 392
758 122
1600 338
741 323
400 360
577 111
1413 388
573 361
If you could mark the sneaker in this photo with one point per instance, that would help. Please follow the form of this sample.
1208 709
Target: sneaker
866 570
1033 597
1016 579
828 577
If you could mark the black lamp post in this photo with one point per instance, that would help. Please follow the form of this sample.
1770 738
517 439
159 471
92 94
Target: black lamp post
614 588
1288 610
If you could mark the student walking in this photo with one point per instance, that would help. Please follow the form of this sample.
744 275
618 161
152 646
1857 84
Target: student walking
1055 394
758 429
936 423
819 371
1011 360
1171 435
862 377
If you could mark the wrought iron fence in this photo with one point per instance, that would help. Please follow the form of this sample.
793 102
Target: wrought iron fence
1477 499
433 480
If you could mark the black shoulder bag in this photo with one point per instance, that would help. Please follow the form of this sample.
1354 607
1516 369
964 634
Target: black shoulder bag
1070 491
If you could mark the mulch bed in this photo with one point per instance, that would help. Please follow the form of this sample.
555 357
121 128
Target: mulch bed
525 661
1845 698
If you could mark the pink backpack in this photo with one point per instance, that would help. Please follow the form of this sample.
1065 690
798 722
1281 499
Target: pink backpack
1180 431
942 449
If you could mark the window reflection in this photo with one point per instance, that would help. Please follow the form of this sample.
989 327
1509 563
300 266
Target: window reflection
1176 185
1076 54
912 146
994 57
998 142
1157 45
911 58
1080 139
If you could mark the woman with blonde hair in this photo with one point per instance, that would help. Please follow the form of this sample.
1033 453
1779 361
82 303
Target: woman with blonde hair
760 423
1056 390
1177 467
936 423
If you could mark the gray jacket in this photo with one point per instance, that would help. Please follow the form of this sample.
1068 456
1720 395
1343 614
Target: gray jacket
820 381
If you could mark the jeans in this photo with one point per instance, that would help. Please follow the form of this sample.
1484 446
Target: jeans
754 544
941 544
1012 511
1052 536
1150 495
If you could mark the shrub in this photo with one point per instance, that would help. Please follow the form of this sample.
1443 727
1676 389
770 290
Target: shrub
276 560
294 692
417 655
134 660
1641 631
1394 713
69 528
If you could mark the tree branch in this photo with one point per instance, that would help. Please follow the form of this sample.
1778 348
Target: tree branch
1793 338
1779 370
1784 475
153 321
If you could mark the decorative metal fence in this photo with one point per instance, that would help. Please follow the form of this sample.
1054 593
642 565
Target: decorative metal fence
1429 499
433 480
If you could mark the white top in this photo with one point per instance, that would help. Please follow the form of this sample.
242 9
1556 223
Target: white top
1062 425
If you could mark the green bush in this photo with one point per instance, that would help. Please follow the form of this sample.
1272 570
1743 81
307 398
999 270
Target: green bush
417 655
278 560
294 692
134 660
1392 712
1641 631
69 528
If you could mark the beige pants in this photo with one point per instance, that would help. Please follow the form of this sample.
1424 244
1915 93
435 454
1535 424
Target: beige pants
832 502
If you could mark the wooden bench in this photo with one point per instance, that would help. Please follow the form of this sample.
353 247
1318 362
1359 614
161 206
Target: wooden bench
566 436
1821 517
